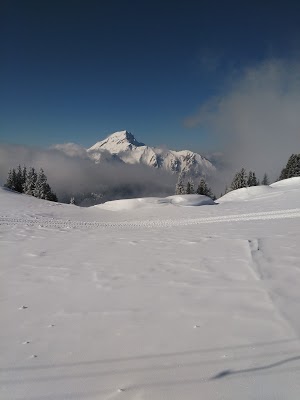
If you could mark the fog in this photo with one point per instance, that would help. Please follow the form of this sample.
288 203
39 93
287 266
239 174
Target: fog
256 120
74 173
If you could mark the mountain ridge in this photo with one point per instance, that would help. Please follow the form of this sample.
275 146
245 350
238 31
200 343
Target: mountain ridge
125 147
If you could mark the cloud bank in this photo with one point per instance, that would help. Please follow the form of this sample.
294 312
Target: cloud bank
257 120
70 172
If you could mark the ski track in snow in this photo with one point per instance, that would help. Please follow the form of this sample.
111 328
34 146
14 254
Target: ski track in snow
58 223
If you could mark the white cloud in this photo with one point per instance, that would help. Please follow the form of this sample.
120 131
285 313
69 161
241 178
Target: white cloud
71 149
73 172
257 120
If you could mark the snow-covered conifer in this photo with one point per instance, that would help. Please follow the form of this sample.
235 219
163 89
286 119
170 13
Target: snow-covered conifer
204 189
40 189
24 176
265 180
252 180
19 180
180 185
239 180
190 187
10 181
29 185
292 167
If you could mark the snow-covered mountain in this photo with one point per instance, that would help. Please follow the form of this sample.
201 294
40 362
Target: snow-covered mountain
123 146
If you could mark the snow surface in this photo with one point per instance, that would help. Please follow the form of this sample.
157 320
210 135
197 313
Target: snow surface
154 302
179 200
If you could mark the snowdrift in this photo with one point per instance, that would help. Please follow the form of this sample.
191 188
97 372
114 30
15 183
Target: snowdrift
248 193
286 184
186 200
190 200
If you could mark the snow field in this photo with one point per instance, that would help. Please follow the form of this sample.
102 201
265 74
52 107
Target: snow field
162 302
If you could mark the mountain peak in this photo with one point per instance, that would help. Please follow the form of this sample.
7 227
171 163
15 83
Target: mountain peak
124 136
116 142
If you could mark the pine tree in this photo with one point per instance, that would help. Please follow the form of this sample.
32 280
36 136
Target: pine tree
239 180
51 196
204 189
41 187
14 180
18 180
9 181
249 180
190 187
29 185
24 176
252 180
292 167
180 185
265 180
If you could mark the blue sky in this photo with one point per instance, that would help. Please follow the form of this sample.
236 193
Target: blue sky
79 70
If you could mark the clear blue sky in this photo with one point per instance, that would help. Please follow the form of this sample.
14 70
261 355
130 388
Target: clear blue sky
79 70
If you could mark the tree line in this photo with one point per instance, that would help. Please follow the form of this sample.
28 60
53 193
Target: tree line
30 182
242 179
188 188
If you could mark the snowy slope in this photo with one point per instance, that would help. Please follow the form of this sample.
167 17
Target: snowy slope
124 145
260 192
153 302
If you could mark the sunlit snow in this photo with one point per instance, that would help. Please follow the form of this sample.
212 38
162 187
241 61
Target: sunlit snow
152 299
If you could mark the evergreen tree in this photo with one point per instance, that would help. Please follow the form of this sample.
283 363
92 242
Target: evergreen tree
250 177
42 189
29 185
190 187
9 180
252 180
24 176
265 180
19 179
180 185
14 180
51 196
204 189
239 180
292 167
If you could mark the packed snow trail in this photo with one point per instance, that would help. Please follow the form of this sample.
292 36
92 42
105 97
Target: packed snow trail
59 223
